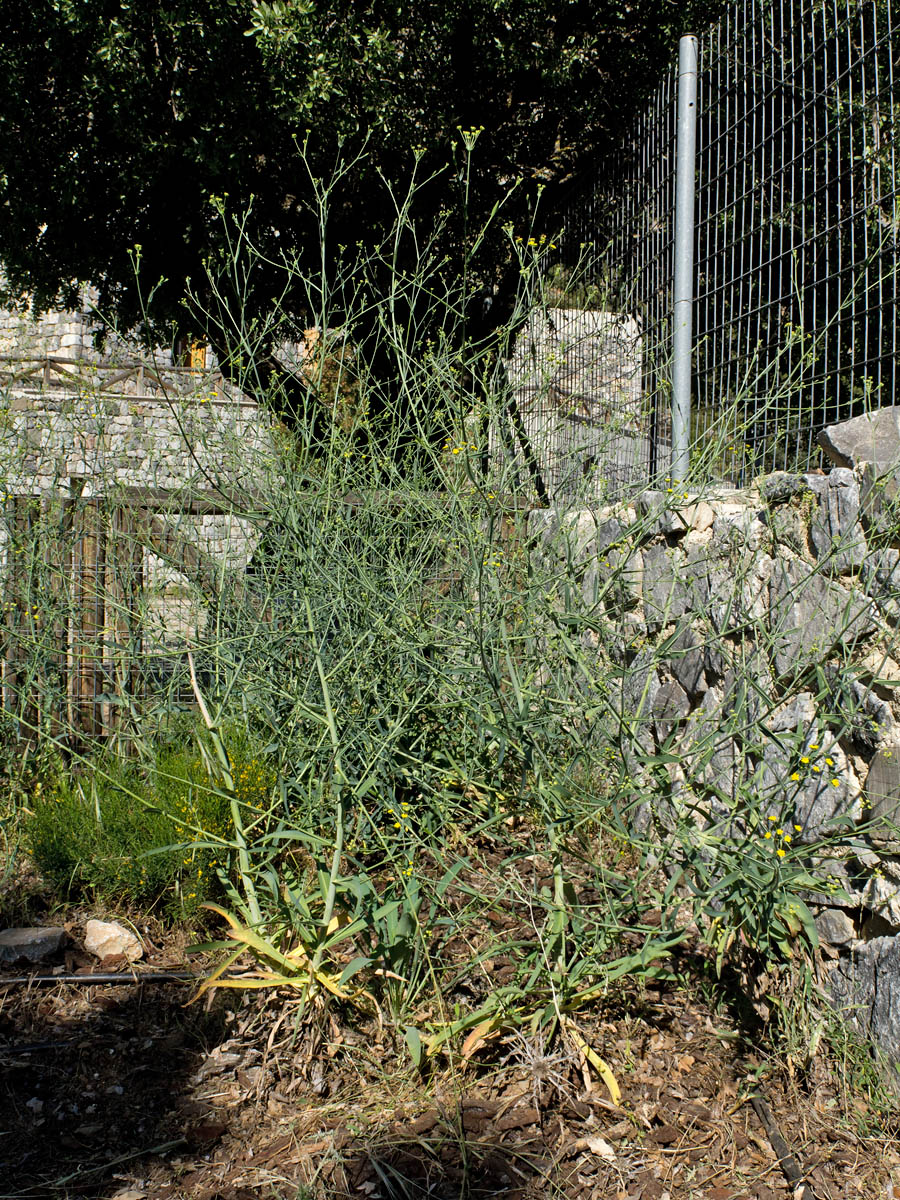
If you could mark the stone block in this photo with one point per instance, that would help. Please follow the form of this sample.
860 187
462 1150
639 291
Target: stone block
804 776
835 534
781 486
108 938
670 707
686 659
634 697
564 537
810 615
698 516
835 927
31 944
880 573
862 714
881 897
657 514
872 438
737 530
665 587
713 763
619 566
737 592
822 799
788 527
882 792
865 989
879 502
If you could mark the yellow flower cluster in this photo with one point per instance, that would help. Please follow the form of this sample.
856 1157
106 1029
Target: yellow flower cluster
816 768
771 835
253 782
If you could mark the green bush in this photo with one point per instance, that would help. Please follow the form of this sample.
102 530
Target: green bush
159 837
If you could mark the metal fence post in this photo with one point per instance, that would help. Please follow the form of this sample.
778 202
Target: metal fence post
683 283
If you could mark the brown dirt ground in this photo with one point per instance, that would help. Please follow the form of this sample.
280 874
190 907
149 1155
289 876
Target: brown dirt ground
122 1091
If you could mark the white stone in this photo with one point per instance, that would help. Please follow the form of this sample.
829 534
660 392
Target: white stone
105 938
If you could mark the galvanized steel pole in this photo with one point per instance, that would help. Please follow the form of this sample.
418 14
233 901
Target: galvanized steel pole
683 283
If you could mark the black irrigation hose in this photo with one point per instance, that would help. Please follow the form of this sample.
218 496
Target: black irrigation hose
110 977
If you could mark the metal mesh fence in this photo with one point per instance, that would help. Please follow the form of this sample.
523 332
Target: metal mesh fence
797 208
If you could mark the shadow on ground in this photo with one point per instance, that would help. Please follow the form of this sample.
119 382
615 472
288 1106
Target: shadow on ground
93 1079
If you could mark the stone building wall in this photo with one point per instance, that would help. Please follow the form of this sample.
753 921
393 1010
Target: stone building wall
79 423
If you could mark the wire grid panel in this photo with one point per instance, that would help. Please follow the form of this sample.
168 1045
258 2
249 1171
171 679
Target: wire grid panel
797 221
797 233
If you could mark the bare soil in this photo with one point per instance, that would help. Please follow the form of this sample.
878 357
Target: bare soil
123 1091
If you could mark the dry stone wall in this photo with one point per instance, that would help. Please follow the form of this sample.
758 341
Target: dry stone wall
753 637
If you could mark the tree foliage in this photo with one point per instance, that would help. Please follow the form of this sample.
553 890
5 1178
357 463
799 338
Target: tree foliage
131 124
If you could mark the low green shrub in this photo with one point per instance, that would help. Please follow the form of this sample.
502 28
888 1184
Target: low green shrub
159 837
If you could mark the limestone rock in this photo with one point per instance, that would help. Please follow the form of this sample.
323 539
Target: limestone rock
788 526
665 591
564 535
872 438
670 706
863 714
106 938
747 686
835 927
883 795
657 515
811 615
618 569
713 763
699 516
781 486
835 533
804 776
825 794
634 698
881 574
865 988
737 594
882 897
686 659
738 529
674 582
33 944
879 502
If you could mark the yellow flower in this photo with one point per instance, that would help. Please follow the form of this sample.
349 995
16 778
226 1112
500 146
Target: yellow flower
780 853
787 837
795 777
835 783
773 818
799 828
768 834
804 759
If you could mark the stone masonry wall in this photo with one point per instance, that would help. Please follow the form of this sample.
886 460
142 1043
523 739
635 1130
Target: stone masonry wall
77 422
756 634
